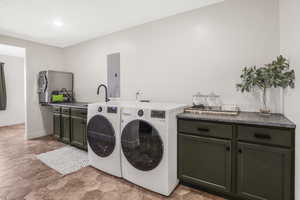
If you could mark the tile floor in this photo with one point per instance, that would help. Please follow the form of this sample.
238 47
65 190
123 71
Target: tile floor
22 176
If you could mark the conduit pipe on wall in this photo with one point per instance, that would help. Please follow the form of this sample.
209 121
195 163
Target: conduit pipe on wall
3 98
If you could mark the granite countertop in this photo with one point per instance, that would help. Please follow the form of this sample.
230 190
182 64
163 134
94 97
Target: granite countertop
83 105
250 118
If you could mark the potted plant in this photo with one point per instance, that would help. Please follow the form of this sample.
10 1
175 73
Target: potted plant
273 75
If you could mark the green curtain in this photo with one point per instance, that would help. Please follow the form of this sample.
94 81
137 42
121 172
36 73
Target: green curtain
2 88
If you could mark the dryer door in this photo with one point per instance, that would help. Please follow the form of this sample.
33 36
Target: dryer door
142 145
101 136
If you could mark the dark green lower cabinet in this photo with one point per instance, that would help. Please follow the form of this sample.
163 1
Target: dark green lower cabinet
69 126
57 125
65 129
264 173
253 163
78 132
205 161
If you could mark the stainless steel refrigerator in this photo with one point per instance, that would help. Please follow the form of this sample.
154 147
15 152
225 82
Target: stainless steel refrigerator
51 81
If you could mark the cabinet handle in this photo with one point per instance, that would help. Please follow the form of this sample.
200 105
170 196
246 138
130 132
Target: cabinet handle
240 151
203 129
227 148
262 136
83 123
83 113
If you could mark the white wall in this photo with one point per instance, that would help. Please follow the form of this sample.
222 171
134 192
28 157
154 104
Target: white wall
290 47
172 59
38 57
14 80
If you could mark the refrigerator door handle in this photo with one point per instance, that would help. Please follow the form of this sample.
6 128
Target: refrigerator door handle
46 83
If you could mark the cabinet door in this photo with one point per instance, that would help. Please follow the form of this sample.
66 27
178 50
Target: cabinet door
205 161
78 132
264 173
65 120
57 125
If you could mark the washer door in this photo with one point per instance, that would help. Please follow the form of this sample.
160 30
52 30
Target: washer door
101 136
142 145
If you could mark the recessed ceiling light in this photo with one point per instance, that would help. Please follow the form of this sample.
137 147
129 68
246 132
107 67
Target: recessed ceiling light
58 23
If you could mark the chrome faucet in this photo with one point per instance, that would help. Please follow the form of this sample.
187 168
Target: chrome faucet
98 92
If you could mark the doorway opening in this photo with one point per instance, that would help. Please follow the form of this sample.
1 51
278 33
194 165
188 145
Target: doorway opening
12 86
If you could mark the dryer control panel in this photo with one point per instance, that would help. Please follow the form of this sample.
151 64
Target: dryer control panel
158 114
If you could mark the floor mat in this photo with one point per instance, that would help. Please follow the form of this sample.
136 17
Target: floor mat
65 160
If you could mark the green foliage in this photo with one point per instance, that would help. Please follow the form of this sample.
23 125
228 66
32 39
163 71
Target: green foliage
275 74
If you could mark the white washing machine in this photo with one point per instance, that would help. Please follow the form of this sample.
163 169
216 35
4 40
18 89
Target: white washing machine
149 145
103 135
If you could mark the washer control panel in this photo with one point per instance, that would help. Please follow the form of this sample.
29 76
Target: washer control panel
112 109
160 114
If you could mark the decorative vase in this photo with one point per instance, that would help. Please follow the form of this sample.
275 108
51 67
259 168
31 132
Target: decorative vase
265 110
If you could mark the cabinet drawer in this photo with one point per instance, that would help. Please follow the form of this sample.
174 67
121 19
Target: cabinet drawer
65 111
205 128
272 136
56 109
79 112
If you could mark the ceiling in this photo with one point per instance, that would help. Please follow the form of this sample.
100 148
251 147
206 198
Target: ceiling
63 23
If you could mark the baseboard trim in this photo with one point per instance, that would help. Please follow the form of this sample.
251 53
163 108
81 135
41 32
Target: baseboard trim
37 134
12 125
